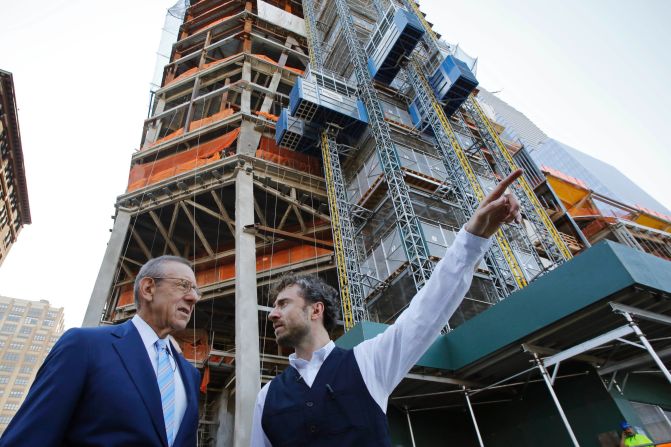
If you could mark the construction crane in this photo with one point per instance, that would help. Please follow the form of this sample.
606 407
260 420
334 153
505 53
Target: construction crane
409 226
344 243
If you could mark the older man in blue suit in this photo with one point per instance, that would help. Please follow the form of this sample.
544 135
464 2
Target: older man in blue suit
121 385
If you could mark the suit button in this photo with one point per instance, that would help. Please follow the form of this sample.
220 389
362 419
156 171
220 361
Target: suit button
309 403
313 429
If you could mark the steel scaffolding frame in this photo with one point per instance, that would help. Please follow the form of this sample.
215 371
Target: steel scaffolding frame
345 248
409 225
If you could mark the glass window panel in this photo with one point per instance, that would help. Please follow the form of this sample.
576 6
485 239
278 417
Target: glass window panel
395 252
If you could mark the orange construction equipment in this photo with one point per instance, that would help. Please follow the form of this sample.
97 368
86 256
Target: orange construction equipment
267 115
170 136
268 150
148 173
267 59
193 70
194 344
210 119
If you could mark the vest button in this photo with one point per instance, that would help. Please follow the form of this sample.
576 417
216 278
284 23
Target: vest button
313 429
309 403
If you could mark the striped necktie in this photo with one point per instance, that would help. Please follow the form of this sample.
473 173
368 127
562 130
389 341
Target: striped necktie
166 384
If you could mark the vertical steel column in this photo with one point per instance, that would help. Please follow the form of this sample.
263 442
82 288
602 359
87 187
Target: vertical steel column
344 243
412 435
345 249
647 345
546 378
475 422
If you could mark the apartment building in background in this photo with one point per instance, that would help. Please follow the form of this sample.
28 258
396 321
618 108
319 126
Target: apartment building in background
28 330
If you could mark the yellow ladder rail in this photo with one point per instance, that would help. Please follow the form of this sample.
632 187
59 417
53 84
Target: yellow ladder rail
540 211
515 268
338 246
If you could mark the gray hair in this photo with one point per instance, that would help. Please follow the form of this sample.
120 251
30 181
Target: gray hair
313 290
154 268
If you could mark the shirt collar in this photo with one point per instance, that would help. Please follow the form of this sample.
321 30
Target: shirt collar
147 334
317 357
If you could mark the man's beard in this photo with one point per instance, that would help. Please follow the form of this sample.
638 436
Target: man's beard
291 338
294 336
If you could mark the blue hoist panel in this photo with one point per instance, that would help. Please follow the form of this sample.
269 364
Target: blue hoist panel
323 100
294 133
416 113
394 39
452 82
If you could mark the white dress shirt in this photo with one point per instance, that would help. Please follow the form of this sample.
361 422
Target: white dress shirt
385 359
149 338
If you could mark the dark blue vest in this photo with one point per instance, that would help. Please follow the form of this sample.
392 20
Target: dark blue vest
336 411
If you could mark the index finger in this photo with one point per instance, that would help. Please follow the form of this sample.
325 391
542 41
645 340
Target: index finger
505 183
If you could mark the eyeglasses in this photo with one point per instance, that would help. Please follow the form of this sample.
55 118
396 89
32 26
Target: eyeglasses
183 285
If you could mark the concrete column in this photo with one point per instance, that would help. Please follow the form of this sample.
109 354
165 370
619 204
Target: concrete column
107 272
226 421
247 369
248 140
246 96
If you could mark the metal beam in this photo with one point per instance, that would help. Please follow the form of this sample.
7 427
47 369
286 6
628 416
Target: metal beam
164 233
549 351
197 229
548 383
141 244
224 213
585 346
292 201
257 228
475 421
632 362
640 313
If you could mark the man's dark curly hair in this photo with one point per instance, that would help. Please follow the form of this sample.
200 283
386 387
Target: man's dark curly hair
313 290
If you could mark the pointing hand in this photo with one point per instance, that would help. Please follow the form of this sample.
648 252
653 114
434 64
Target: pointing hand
496 209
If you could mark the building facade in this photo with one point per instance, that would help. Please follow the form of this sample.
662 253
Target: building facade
14 205
28 330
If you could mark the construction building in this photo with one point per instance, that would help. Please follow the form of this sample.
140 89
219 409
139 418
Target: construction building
14 205
345 138
28 330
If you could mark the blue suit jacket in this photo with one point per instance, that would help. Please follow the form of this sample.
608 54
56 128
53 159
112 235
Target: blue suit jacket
97 388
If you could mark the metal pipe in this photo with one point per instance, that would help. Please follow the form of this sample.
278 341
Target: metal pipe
475 422
648 346
412 436
546 377
479 390
554 373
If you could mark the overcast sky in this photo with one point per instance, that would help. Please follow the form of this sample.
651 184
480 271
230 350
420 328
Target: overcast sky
590 74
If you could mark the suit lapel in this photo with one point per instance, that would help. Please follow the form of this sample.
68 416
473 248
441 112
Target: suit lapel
134 357
190 386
